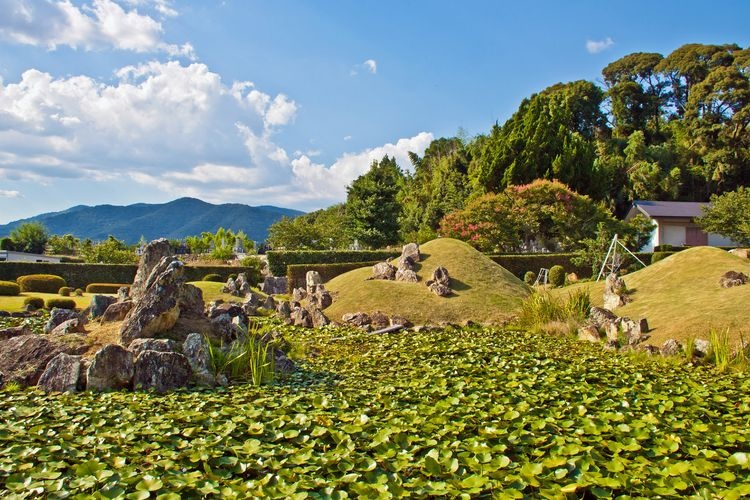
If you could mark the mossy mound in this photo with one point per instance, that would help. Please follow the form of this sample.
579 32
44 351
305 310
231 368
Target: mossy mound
681 297
483 291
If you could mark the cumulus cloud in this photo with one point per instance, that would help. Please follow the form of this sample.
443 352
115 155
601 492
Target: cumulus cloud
101 24
369 65
596 46
4 193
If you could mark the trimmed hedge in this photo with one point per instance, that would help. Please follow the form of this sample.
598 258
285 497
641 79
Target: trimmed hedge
60 303
657 256
557 276
520 264
46 283
278 261
212 277
65 291
105 287
80 275
529 277
9 288
296 273
35 302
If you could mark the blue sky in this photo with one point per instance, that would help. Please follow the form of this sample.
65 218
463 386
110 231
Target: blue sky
285 102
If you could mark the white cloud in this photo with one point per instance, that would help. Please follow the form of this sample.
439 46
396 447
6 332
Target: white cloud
371 66
347 138
101 24
596 46
4 193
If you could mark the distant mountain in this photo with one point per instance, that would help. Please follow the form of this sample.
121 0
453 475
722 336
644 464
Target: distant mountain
176 219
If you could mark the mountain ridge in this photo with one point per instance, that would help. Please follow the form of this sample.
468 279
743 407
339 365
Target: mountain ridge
174 219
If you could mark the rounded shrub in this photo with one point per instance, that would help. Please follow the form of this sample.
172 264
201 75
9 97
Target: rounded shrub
556 276
529 277
60 303
35 302
45 283
78 292
9 288
65 291
657 256
212 277
105 287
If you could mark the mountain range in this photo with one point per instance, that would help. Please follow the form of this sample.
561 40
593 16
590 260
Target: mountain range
175 219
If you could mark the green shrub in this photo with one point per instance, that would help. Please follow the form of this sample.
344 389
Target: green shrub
65 291
60 303
232 276
657 256
556 276
278 261
9 288
105 287
35 302
45 283
296 273
78 292
529 277
212 277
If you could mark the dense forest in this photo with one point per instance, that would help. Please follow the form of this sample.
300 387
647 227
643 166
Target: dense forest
661 128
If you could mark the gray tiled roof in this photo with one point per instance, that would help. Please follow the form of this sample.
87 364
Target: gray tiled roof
670 208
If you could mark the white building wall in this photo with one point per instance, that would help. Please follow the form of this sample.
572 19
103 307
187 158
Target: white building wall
672 235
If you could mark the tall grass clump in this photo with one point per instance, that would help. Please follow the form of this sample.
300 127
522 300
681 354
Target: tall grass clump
248 360
720 350
542 312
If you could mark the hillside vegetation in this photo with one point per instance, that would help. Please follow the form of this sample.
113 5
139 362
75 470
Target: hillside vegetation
681 297
484 292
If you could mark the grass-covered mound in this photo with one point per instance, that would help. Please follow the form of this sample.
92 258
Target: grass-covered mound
483 413
483 291
681 297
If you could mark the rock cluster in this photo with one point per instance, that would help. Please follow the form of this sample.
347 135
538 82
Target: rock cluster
440 282
273 285
239 287
376 320
617 330
615 292
732 278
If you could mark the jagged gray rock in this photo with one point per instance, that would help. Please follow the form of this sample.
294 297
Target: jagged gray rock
117 311
615 292
312 281
25 357
162 345
58 316
99 304
161 371
152 256
111 368
732 278
196 350
439 284
671 348
383 271
410 251
62 374
357 319
14 331
75 325
274 285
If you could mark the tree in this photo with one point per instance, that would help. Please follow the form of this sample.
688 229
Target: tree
634 234
62 245
30 237
372 207
109 251
729 216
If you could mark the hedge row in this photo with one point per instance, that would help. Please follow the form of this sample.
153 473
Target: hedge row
296 273
520 264
80 275
278 261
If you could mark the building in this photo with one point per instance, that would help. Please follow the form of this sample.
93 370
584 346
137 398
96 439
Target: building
675 224
11 256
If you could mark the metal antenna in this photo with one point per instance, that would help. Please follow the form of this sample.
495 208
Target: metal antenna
613 259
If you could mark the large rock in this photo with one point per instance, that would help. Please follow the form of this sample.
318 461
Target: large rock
190 301
161 345
14 331
99 305
301 317
269 304
671 348
589 333
161 371
152 256
406 270
321 297
62 374
58 316
383 271
410 251
274 285
615 292
197 351
318 318
111 368
230 287
75 325
732 278
24 358
312 281
284 309
439 284
117 311
743 253
601 318
299 294
243 286
378 320
635 331
359 319
157 309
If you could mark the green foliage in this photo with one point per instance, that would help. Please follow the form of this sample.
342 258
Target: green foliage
296 273
109 251
7 244
634 234
657 256
729 216
212 277
60 303
253 269
541 310
65 291
518 264
35 302
29 237
529 277
541 215
250 360
12 386
720 350
47 283
108 288
78 292
399 415
9 288
63 245
221 245
556 276
278 261
320 230
372 207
